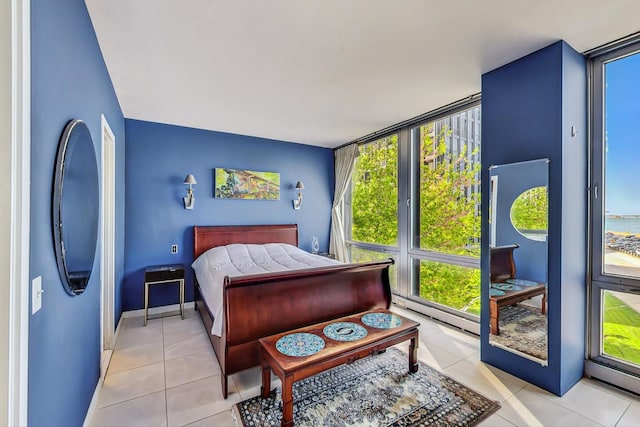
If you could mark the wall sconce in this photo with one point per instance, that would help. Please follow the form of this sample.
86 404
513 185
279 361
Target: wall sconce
298 202
190 200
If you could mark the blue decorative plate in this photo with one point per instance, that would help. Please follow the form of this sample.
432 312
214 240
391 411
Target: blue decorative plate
301 344
344 331
506 287
381 320
495 292
523 282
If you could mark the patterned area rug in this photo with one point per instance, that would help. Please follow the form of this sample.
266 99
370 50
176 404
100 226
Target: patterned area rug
374 391
523 328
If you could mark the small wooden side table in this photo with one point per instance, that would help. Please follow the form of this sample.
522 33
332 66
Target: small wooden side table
332 353
159 275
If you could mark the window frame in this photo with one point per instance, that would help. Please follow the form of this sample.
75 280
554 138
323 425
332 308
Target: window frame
405 252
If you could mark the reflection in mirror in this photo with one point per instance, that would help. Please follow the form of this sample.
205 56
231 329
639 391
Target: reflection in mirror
518 258
75 207
529 213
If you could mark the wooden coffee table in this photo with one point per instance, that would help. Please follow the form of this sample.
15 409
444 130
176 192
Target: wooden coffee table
514 297
364 341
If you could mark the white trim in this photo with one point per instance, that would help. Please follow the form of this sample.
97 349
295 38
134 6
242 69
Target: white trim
493 200
612 376
20 212
93 405
158 310
107 250
443 316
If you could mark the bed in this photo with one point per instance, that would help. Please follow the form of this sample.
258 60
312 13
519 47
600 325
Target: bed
259 305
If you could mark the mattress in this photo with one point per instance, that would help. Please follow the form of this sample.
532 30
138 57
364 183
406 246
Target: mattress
243 259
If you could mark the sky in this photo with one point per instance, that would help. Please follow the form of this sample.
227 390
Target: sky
622 127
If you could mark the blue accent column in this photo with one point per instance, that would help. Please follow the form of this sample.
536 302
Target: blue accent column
528 109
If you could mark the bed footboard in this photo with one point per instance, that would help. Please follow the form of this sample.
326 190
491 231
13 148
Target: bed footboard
259 306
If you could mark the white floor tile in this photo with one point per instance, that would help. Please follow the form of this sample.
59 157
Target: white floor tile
149 410
530 409
495 420
223 419
481 379
167 373
193 367
135 336
132 383
631 417
437 357
197 400
179 346
132 357
456 343
593 401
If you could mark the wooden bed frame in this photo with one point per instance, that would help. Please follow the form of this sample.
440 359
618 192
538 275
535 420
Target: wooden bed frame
257 306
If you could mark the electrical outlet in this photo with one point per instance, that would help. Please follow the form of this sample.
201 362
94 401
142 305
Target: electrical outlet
174 249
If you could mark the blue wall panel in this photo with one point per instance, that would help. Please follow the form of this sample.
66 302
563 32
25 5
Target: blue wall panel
574 219
528 108
69 80
159 156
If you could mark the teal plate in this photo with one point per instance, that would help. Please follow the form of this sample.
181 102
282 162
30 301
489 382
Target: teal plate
523 282
495 292
381 320
300 344
506 287
345 331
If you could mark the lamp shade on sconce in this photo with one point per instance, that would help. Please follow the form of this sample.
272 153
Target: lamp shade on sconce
298 202
190 200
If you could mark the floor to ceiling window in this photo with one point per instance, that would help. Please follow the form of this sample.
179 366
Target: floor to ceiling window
415 197
372 220
614 349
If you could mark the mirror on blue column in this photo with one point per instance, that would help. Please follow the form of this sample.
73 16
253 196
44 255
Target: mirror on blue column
518 221
75 206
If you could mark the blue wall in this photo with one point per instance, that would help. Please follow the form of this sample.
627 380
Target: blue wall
159 156
528 108
69 80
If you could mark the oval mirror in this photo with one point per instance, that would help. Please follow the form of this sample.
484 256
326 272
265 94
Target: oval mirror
75 207
529 213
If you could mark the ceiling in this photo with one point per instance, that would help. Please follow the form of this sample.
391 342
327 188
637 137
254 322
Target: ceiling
326 72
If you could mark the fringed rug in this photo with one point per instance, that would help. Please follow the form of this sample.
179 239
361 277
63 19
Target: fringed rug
523 328
374 391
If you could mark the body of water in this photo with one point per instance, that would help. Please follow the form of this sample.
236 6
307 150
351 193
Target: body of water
629 225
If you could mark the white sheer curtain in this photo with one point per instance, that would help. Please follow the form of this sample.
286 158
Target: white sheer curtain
345 160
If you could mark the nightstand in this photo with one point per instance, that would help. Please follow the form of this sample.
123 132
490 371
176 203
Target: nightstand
160 275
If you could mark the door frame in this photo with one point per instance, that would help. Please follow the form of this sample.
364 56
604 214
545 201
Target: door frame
107 252
597 364
15 328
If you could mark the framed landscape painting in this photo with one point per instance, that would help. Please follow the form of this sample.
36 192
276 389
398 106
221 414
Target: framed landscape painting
245 184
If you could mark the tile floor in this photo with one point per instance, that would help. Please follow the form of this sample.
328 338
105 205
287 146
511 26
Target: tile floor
166 374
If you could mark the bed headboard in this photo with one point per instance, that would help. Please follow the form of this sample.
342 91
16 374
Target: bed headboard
207 237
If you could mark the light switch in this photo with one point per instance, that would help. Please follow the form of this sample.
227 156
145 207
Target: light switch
36 294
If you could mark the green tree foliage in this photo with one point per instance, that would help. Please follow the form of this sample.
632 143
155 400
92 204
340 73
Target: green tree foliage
448 217
529 210
375 193
451 285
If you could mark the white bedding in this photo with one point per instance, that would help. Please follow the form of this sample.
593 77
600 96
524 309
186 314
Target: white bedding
242 259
